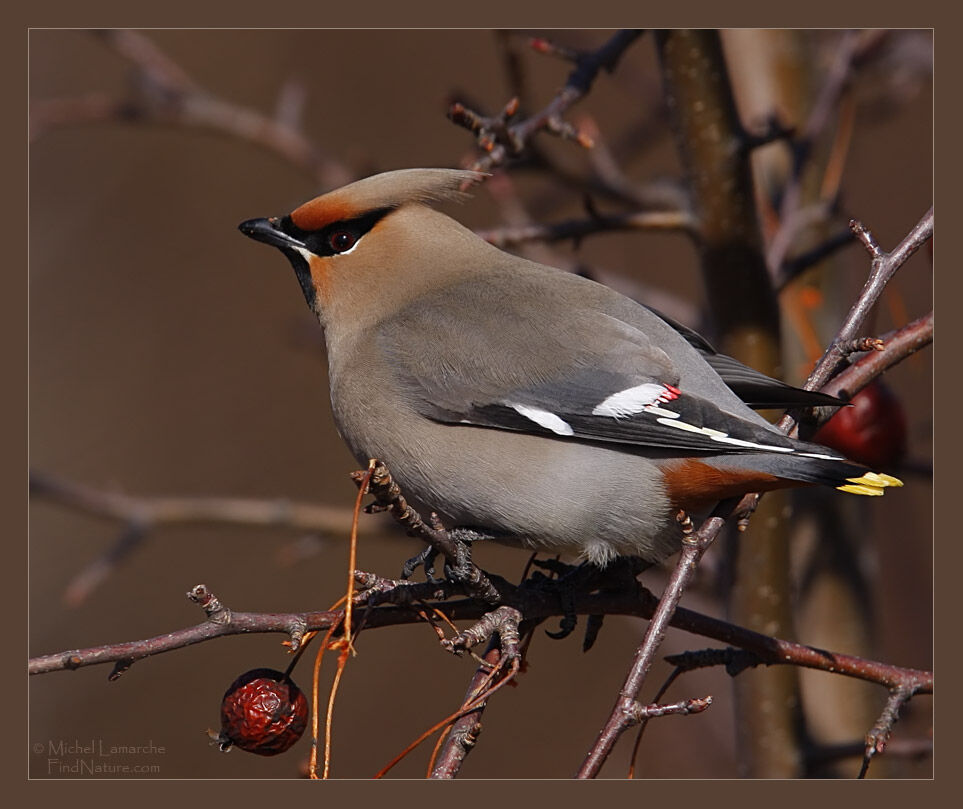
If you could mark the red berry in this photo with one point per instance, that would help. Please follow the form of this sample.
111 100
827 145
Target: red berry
872 431
263 712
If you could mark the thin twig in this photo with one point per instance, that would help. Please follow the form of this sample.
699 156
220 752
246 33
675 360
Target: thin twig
490 686
502 142
142 515
900 748
533 604
388 497
578 229
852 47
163 94
883 267
161 511
897 346
878 736
463 733
623 713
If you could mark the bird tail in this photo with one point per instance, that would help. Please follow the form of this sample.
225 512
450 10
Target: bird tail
818 467
871 483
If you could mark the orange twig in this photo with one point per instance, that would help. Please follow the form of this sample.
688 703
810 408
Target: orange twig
434 753
835 165
353 551
345 642
445 618
315 688
467 707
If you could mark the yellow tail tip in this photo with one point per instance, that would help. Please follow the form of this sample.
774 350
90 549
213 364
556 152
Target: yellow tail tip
872 483
855 489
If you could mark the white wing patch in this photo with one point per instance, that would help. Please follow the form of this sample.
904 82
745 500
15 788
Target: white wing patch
718 435
646 398
544 418
630 401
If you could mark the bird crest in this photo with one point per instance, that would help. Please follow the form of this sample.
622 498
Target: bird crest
388 190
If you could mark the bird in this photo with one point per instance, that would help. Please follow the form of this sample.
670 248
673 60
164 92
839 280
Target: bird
523 403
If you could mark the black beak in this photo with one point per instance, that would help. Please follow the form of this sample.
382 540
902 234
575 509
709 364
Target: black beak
266 230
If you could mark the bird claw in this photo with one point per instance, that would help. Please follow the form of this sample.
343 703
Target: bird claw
425 559
460 572
568 623
584 577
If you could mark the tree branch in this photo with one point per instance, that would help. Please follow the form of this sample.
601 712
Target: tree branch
532 603
141 515
501 141
165 95
577 229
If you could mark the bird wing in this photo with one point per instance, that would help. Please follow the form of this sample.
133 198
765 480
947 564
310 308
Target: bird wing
593 377
752 386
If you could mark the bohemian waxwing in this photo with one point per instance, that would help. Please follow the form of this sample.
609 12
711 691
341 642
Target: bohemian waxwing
533 406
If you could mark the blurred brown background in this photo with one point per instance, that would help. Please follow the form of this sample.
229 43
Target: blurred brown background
169 355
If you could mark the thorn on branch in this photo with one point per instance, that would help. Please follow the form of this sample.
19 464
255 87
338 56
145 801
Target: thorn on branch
119 668
864 234
636 712
207 601
296 636
879 734
860 344
549 48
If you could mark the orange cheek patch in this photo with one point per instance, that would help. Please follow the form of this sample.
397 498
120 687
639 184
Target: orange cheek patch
321 279
320 212
693 485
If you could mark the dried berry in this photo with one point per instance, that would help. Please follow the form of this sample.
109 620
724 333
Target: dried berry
262 712
872 431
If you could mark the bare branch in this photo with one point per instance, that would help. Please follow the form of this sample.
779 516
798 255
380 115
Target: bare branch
621 718
641 713
884 267
154 512
164 95
853 46
532 603
878 736
142 515
503 623
577 229
896 346
501 143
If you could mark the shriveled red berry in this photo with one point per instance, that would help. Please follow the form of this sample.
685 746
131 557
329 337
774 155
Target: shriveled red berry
872 431
262 712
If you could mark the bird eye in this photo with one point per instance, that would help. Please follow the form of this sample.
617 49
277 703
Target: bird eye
342 240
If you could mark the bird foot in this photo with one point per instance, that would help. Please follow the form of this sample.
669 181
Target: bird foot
583 578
